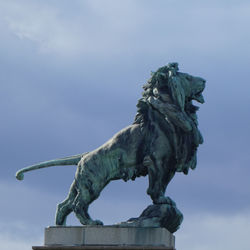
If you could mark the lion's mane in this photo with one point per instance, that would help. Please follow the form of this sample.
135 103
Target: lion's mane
185 147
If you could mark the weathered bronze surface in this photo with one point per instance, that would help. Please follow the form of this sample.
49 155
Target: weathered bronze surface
162 140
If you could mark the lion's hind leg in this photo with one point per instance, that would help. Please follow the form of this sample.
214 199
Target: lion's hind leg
66 207
80 208
89 184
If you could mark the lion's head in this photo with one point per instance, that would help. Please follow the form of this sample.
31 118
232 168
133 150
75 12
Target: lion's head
181 87
174 87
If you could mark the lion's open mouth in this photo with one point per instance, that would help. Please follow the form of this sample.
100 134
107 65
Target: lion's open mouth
199 97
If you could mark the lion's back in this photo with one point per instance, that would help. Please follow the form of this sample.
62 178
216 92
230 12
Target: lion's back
118 153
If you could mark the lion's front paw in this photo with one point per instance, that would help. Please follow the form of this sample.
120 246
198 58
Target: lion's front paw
164 200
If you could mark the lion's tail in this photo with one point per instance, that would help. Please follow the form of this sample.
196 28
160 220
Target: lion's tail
71 160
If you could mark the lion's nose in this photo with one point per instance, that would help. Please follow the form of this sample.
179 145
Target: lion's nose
201 80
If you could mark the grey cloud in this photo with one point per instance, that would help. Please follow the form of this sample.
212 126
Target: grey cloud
222 229
131 27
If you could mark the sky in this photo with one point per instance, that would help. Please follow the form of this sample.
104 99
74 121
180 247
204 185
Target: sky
71 73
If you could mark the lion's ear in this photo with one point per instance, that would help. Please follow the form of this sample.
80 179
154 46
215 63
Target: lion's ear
177 92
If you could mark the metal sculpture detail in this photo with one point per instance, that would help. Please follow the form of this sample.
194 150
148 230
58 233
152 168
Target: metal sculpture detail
162 140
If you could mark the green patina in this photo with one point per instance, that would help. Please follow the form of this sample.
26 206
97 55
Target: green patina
162 140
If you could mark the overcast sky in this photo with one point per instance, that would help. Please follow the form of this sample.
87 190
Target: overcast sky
71 73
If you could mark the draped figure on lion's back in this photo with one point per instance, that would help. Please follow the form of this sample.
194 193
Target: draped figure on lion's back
162 140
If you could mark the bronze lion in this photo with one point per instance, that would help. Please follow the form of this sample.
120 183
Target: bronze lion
162 140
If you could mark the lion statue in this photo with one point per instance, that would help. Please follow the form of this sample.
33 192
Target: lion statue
162 140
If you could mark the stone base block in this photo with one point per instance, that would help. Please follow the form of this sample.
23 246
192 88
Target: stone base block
107 237
101 248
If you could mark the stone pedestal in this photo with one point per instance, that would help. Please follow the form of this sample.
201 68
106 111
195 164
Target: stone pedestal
101 248
106 237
